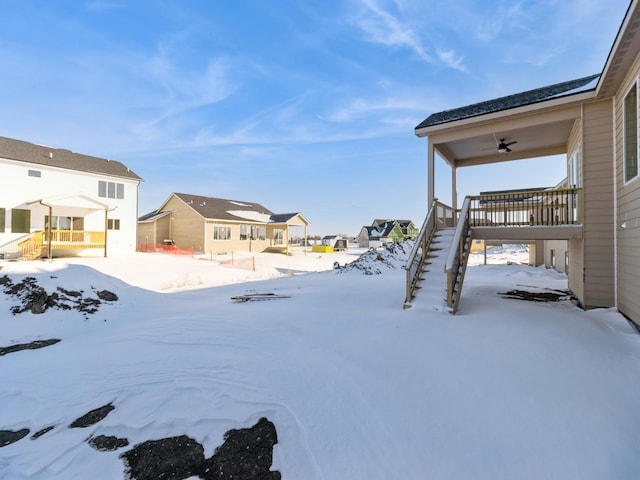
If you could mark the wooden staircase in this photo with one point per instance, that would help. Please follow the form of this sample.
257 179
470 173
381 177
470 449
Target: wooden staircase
31 248
438 261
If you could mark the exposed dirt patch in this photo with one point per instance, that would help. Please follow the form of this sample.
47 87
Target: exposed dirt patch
546 296
35 299
28 346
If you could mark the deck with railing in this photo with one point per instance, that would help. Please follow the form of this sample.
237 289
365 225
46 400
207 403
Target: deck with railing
515 215
526 208
40 241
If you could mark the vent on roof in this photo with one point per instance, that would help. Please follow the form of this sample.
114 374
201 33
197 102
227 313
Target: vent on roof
50 154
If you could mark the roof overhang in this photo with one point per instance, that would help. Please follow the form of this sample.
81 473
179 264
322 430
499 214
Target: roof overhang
78 200
541 129
623 52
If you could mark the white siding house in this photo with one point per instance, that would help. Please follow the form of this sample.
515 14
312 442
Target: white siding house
55 202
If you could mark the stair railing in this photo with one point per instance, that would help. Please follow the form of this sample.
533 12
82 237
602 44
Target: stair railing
438 216
457 258
31 247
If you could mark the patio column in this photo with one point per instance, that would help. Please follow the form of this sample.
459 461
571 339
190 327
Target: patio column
454 188
106 225
430 173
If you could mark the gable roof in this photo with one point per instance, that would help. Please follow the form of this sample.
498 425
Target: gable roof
572 87
21 151
153 216
382 229
284 217
223 209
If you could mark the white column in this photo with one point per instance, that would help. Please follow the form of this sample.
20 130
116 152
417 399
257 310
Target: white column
454 188
430 173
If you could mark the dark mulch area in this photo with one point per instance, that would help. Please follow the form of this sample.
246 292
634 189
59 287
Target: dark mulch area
545 296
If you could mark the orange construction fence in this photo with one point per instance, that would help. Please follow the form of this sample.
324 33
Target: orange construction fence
161 248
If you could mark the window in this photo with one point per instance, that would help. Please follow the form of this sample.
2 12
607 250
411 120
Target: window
553 258
630 117
278 236
35 173
258 232
222 233
64 223
113 224
573 170
20 220
110 189
243 232
2 219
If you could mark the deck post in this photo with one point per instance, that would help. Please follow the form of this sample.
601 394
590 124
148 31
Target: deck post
106 227
430 173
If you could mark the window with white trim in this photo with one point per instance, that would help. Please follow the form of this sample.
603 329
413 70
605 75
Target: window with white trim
258 232
221 233
110 189
243 232
630 132
113 224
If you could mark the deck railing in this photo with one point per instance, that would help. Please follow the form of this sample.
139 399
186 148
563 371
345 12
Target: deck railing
64 238
456 263
527 208
439 216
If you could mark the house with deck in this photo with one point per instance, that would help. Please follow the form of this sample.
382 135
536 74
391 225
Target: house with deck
54 202
593 122
217 226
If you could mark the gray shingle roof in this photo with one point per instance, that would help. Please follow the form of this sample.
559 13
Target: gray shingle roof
219 208
152 216
57 157
282 217
571 87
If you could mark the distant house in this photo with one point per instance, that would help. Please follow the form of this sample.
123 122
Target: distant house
217 226
386 231
337 242
54 202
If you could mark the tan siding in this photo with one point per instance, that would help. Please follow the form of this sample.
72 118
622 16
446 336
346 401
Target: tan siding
628 212
576 268
186 227
146 234
598 205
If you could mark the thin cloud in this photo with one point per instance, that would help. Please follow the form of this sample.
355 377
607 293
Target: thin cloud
390 30
384 28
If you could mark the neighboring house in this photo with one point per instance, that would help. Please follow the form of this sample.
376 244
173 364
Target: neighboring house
593 121
336 242
408 229
55 202
384 231
217 226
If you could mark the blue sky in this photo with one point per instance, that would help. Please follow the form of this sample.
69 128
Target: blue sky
302 106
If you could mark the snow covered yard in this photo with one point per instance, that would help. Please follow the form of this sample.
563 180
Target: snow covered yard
357 387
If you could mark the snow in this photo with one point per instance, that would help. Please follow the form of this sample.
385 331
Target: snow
250 215
357 387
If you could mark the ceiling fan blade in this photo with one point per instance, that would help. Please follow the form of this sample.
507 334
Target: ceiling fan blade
511 143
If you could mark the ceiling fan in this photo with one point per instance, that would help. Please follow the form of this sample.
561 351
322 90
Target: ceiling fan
504 147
